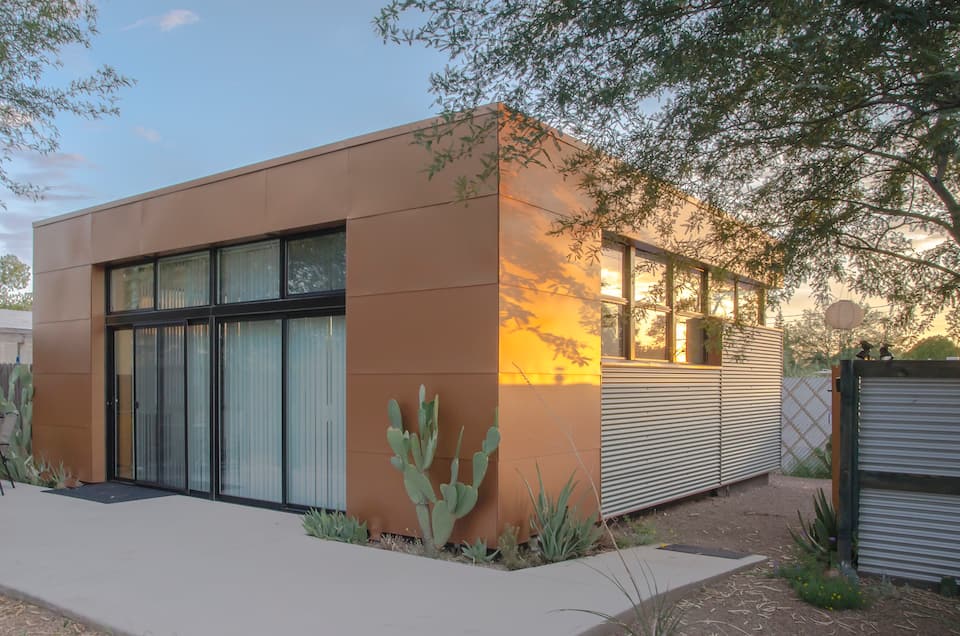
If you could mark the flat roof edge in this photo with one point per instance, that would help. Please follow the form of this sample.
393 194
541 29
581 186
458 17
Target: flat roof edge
300 155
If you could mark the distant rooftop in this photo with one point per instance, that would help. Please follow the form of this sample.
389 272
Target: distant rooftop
14 320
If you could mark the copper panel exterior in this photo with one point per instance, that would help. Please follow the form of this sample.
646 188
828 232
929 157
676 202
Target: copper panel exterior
62 400
544 186
390 175
68 445
546 333
531 258
62 245
451 245
551 415
308 192
429 332
62 347
467 400
62 294
98 377
116 233
221 211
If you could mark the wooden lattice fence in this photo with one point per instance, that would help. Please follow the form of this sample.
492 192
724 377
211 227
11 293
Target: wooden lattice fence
805 419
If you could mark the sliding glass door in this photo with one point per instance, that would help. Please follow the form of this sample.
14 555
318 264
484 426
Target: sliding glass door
228 370
316 412
251 455
161 383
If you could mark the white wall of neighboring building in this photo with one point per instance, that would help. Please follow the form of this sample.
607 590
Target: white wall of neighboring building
16 336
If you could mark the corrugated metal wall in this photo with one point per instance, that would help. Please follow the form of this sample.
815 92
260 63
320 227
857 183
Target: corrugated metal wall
930 445
750 399
660 436
666 429
909 534
912 426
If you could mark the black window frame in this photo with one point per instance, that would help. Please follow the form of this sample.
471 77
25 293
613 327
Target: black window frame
284 308
631 253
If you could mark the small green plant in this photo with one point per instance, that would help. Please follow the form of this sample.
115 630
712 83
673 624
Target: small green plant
561 533
948 587
477 552
414 454
818 538
817 465
632 532
336 526
511 552
830 590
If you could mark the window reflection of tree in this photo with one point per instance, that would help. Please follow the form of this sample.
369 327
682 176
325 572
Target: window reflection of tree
316 264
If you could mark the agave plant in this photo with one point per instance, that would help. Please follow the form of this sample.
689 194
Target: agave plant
818 537
561 533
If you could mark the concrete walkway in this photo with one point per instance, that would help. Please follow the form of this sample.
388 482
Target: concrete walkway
179 565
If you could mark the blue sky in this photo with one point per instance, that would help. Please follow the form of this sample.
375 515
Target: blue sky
219 85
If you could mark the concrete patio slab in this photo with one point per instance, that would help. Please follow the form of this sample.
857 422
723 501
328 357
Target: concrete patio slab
180 565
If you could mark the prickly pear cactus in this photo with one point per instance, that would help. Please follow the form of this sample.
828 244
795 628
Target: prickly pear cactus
414 452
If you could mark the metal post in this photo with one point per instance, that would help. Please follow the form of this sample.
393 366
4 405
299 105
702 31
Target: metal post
849 423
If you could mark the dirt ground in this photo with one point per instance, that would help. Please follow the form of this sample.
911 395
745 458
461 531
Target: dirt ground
23 619
751 602
754 601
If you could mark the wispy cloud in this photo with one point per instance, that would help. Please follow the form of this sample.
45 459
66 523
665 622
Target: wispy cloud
166 22
149 134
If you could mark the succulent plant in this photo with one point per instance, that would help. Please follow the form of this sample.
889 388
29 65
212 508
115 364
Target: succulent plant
414 455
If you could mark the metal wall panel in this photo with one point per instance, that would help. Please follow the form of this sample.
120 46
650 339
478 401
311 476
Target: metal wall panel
750 400
929 445
909 534
672 431
660 436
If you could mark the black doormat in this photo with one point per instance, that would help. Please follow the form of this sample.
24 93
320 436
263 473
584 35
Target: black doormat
696 549
109 492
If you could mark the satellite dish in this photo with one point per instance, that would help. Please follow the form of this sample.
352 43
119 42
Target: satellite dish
843 314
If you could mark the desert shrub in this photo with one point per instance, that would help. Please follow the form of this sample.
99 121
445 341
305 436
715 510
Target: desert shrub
513 555
830 590
336 526
477 552
818 538
561 533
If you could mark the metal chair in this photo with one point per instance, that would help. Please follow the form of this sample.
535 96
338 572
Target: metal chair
8 422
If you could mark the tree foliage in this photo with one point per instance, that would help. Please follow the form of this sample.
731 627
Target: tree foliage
14 279
932 348
830 125
32 35
809 345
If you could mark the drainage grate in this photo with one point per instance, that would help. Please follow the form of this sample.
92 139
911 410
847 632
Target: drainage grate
696 549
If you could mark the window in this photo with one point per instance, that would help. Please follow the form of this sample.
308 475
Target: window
614 307
317 264
249 272
722 298
659 311
183 281
749 304
131 288
650 310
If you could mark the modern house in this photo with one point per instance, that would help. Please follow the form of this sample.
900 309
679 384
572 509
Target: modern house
238 337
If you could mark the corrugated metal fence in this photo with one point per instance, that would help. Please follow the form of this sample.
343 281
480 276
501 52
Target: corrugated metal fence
672 431
900 467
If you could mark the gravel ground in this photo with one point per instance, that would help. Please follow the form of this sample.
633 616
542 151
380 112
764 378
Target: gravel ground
755 602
